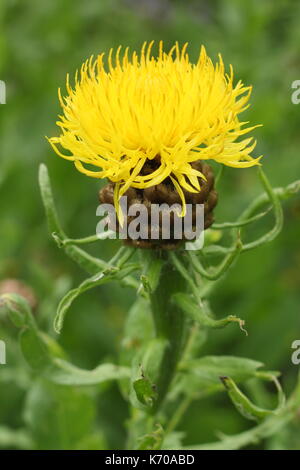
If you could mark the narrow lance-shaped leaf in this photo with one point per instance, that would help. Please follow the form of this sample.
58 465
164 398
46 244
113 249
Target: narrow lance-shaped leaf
271 425
242 223
199 313
102 277
91 264
64 373
244 405
210 368
273 195
38 349
278 214
216 272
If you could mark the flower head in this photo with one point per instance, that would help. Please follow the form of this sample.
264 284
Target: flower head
143 108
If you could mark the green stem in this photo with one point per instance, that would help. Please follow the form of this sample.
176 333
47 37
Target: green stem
179 413
89 239
169 323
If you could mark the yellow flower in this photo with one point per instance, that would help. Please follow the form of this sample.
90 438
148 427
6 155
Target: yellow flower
143 107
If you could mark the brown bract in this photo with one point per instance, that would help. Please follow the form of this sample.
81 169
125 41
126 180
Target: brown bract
165 193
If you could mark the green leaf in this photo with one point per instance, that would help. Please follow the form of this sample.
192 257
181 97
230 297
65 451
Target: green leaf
202 376
37 353
138 330
145 368
278 214
273 195
91 264
245 406
34 350
15 439
201 314
59 417
62 372
41 351
211 368
151 273
153 440
47 197
173 440
95 441
270 426
216 272
147 364
152 357
225 225
145 391
108 274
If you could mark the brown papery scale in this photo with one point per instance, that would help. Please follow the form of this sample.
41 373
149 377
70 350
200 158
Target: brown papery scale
165 192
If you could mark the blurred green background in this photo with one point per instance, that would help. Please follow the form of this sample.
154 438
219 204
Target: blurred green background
40 43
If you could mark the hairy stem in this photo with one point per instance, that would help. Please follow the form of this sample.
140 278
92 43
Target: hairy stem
169 323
